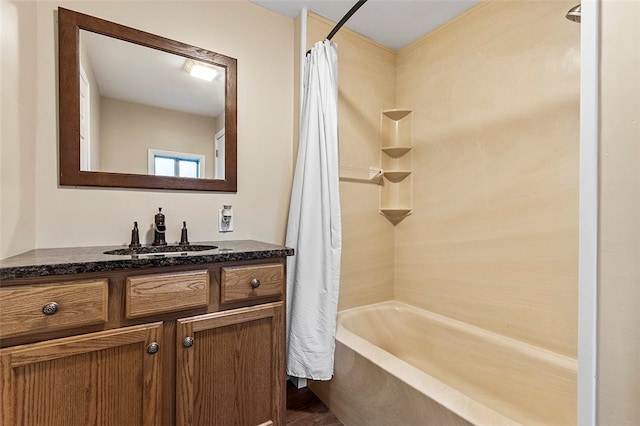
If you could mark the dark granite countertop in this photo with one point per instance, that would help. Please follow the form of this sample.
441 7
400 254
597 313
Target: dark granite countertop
75 260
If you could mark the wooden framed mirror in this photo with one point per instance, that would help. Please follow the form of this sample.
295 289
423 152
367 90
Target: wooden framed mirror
146 124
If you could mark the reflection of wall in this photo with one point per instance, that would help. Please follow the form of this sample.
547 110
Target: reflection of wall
261 41
220 122
128 130
94 108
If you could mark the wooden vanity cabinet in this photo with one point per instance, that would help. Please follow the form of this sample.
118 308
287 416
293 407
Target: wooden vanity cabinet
105 378
230 367
170 352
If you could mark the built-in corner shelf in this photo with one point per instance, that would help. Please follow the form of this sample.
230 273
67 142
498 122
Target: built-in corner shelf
395 151
396 129
395 216
396 114
396 175
396 213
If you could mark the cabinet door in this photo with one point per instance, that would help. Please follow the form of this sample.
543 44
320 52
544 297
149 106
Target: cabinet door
232 372
105 378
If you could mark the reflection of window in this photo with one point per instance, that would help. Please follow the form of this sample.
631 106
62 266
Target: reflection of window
169 163
173 166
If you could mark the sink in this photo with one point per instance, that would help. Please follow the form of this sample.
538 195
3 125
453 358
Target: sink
161 249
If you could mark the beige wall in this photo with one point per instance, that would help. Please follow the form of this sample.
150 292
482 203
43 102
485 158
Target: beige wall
366 77
493 238
128 130
619 238
262 42
18 75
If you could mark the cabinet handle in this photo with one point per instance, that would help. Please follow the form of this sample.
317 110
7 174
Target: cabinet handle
50 308
255 283
153 348
187 342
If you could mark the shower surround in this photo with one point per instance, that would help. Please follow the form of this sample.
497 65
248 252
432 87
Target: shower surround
492 242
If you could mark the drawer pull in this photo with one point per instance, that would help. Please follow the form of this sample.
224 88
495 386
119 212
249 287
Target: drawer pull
50 308
187 342
255 283
153 348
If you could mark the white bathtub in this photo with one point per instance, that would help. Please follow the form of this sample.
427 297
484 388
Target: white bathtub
399 365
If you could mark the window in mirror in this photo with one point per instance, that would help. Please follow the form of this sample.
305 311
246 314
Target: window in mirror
178 164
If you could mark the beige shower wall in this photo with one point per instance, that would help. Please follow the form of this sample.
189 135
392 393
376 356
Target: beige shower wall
493 238
366 75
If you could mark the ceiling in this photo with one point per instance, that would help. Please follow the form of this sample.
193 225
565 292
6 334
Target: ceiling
138 74
392 23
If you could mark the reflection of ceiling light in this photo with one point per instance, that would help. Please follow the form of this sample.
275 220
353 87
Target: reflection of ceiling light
200 70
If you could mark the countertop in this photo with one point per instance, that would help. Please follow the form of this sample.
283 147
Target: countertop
76 260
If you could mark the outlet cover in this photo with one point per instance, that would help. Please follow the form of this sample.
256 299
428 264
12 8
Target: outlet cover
222 226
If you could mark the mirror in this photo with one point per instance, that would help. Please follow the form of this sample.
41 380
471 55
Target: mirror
132 116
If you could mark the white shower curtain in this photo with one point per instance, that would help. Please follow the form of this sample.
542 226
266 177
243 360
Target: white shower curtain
314 228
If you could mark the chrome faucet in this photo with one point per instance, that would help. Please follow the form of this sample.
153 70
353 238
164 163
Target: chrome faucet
159 228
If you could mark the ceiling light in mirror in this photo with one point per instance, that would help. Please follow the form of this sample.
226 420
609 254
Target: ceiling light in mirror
200 70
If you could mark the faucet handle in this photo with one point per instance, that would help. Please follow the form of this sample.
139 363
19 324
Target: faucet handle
159 217
159 221
135 236
184 240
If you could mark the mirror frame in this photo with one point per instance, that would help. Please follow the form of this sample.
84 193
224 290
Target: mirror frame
69 25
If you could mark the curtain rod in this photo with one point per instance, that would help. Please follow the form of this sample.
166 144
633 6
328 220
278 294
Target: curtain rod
344 19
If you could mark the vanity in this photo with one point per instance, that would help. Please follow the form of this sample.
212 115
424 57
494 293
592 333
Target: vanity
184 337
195 338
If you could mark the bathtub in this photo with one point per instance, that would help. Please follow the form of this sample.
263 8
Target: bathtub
398 365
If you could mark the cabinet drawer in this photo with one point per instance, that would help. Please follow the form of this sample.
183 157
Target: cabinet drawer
48 307
161 293
248 282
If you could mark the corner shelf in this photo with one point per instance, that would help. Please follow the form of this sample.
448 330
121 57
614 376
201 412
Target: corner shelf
395 216
396 151
396 129
395 213
396 175
396 114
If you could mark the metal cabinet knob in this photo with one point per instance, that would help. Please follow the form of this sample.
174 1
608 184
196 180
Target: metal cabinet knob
255 283
153 348
50 308
187 342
